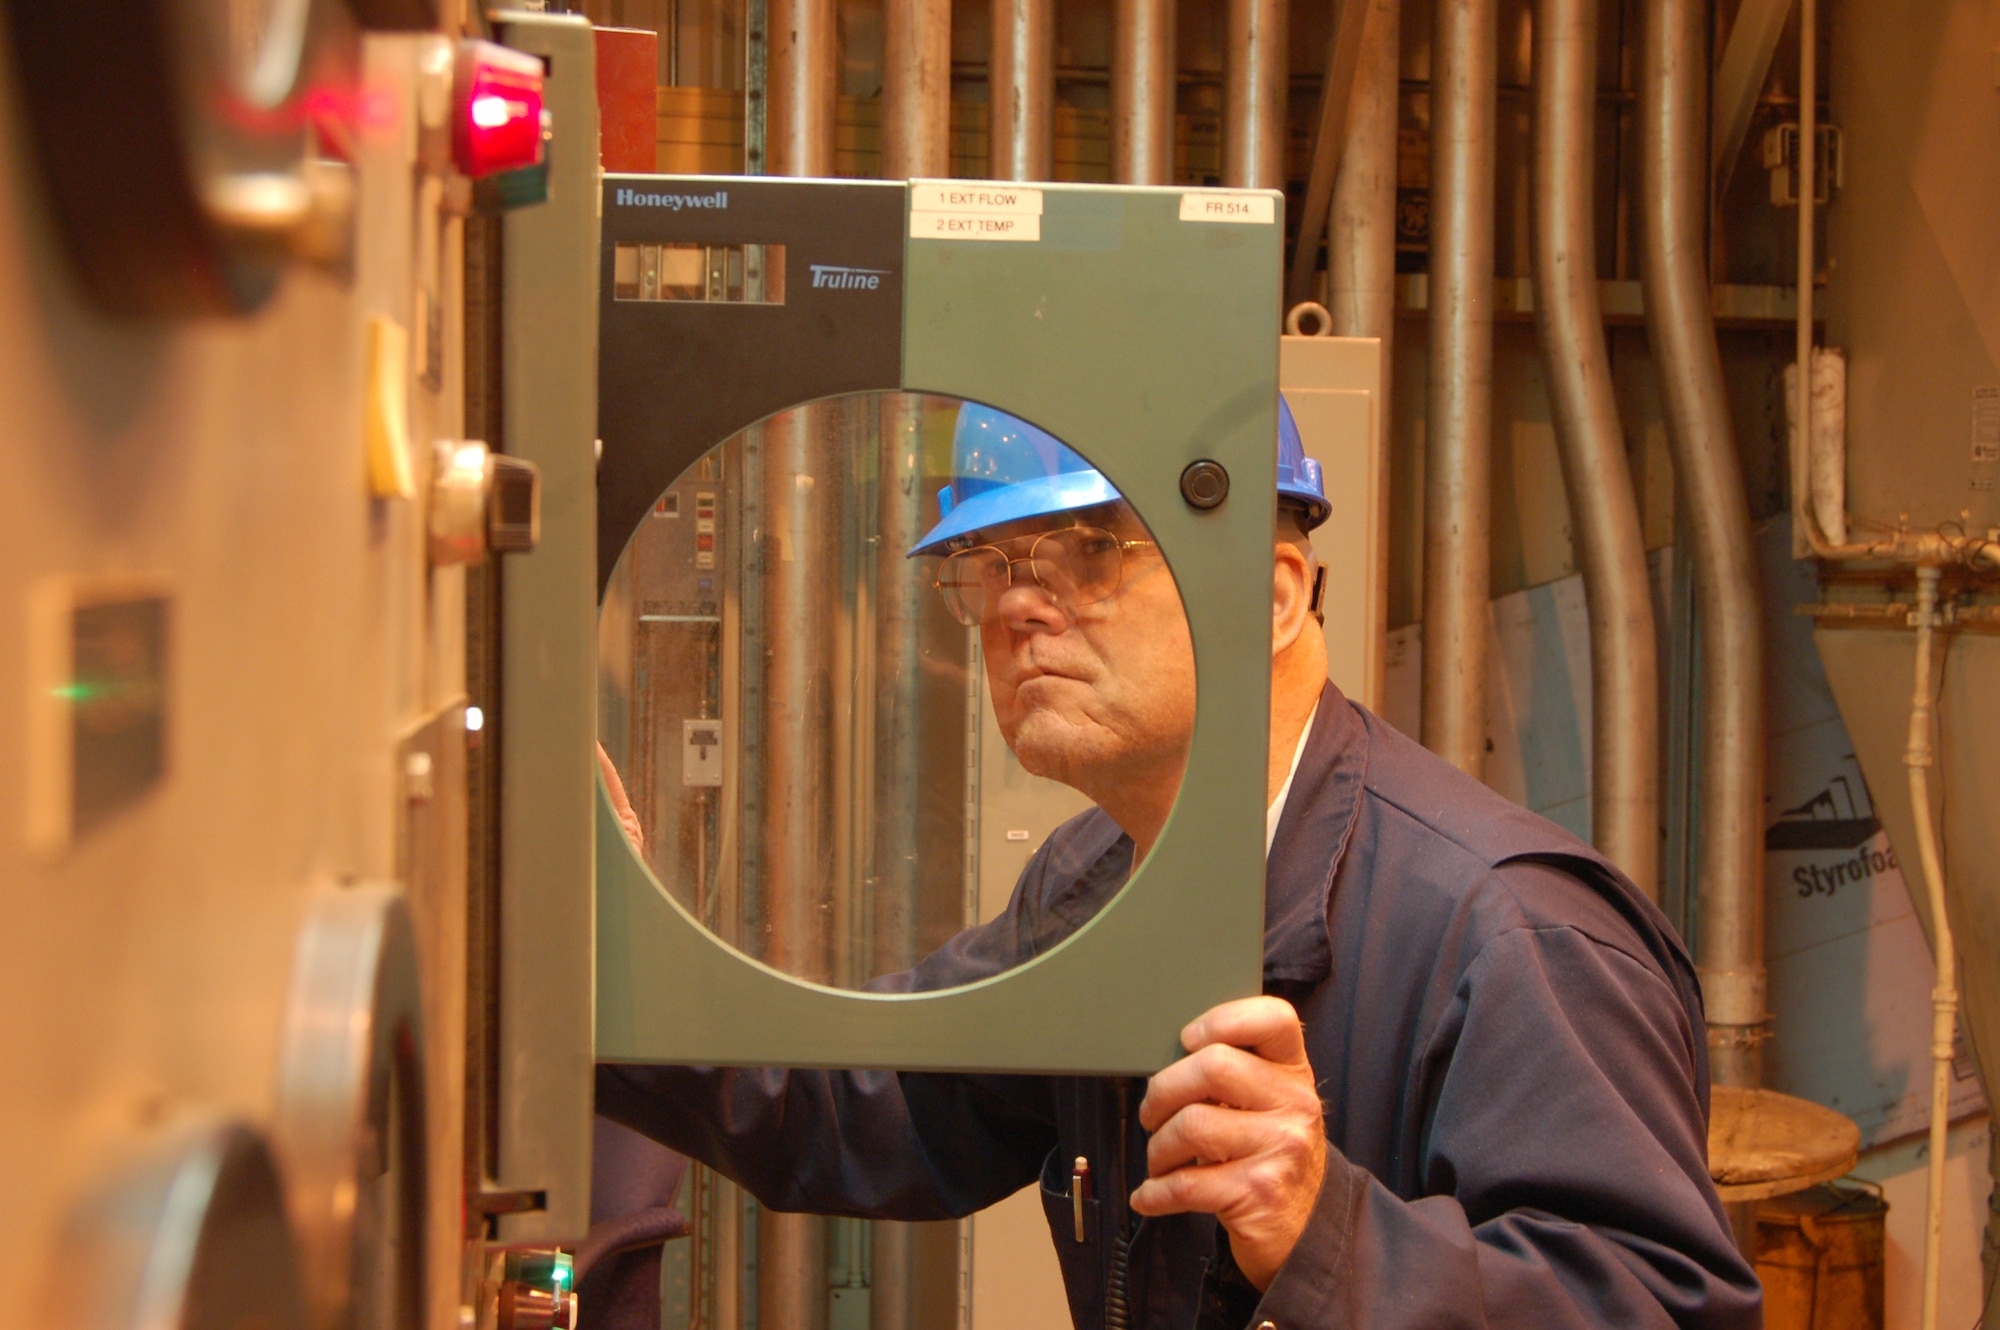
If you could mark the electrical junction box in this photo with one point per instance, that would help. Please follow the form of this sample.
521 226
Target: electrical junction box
1334 386
796 715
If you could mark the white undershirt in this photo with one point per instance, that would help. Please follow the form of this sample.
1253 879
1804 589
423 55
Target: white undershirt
1277 808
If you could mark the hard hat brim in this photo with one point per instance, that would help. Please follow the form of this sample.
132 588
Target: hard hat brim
1043 496
1317 509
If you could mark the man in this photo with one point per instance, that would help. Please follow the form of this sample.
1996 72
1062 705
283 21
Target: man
1474 1092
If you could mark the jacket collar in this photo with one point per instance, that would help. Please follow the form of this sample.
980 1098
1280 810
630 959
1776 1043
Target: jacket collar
1090 858
1313 832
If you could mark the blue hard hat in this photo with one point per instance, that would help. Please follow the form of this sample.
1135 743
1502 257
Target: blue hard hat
1007 470
1298 475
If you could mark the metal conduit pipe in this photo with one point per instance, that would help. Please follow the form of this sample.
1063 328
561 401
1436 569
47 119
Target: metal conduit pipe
802 535
1361 255
1624 657
1729 918
802 83
1329 146
1255 81
916 141
916 89
1361 245
800 496
1142 92
893 873
725 1257
917 93
1458 447
1022 92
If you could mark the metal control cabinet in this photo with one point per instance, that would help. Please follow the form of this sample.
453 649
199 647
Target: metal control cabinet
542 1062
1130 323
232 819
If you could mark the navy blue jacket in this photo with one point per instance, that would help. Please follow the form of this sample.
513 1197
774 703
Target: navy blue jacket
1509 1043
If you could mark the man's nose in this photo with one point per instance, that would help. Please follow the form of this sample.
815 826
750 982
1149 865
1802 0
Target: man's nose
1027 607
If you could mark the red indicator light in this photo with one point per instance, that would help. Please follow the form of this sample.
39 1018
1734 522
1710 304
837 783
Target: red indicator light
704 541
498 119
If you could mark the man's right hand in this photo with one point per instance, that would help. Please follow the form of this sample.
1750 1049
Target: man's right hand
1238 1132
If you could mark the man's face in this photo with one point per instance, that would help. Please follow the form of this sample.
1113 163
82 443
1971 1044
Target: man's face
1099 696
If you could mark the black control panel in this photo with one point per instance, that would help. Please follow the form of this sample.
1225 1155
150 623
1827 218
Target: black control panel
726 299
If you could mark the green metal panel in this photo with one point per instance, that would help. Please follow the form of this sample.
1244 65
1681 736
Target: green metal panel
548 719
1148 343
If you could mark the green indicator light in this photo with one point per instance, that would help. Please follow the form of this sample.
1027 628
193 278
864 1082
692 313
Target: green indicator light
74 692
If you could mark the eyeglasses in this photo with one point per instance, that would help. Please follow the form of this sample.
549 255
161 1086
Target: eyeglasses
1076 565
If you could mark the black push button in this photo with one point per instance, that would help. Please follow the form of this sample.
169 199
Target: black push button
1205 484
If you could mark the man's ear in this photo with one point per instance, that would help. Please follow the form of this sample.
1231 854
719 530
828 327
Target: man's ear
1293 596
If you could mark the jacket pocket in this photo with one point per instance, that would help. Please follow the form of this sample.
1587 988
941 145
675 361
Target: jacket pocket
1082 1262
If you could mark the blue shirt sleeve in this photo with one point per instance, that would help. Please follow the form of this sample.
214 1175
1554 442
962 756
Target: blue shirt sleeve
886 1145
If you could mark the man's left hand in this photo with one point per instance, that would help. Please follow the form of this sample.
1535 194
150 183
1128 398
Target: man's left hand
621 805
1237 1132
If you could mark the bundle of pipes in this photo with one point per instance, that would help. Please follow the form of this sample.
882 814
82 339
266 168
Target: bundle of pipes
1624 658
1354 167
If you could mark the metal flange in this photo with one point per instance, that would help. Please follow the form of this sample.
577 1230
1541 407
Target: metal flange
350 1125
187 1233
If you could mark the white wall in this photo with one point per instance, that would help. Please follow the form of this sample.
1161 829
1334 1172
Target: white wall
1901 1167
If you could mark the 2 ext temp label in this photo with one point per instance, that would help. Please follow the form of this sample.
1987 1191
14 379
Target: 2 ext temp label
958 210
973 226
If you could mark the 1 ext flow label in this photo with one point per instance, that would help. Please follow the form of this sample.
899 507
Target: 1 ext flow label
976 211
955 211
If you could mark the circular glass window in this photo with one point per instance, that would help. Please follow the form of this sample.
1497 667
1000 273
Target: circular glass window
863 659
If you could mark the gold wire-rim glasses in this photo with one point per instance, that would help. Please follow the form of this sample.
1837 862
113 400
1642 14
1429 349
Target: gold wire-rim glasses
964 588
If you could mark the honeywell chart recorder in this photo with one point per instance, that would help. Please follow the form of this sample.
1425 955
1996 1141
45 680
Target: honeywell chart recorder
790 374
